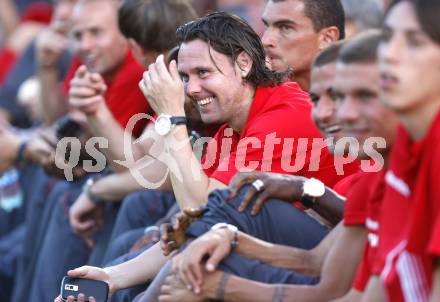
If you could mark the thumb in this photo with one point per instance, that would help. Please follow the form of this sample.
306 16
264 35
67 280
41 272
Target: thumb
81 71
80 272
195 212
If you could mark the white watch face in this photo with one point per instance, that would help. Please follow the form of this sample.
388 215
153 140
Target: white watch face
314 188
162 125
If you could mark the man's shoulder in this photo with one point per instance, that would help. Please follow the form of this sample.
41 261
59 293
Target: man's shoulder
285 97
130 72
290 90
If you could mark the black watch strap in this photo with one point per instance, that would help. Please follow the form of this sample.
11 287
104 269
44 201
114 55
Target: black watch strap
179 120
307 201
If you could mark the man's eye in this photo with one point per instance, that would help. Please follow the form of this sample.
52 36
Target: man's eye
202 73
314 98
76 36
386 34
285 28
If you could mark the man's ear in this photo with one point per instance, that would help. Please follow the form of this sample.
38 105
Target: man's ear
244 63
143 56
135 48
327 36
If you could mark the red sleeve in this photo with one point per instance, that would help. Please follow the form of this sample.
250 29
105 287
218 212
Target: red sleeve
7 60
434 199
38 12
355 212
278 137
343 186
269 128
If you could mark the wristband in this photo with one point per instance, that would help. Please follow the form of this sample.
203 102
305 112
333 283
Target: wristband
87 189
20 153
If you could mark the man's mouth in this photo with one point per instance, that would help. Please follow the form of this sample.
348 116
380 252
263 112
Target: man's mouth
332 129
90 60
205 102
388 80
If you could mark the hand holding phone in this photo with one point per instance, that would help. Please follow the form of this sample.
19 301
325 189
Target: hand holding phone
90 288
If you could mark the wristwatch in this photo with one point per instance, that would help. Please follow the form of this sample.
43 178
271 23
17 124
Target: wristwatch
87 189
312 190
230 227
165 122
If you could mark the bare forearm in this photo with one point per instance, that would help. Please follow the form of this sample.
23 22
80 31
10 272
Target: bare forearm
237 289
374 291
290 258
116 187
52 101
190 183
8 17
345 252
330 206
138 270
103 124
435 293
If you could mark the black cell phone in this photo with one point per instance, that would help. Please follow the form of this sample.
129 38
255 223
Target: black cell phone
67 127
88 287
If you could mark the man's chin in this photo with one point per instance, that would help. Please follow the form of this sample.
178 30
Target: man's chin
278 66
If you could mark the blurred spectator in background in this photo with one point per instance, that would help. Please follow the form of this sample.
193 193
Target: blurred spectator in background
361 15
203 7
250 10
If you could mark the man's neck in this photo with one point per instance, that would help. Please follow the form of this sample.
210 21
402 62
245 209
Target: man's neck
303 79
239 119
418 121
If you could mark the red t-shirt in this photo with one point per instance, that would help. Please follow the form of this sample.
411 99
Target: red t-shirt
123 96
355 208
343 186
411 218
7 60
278 137
363 208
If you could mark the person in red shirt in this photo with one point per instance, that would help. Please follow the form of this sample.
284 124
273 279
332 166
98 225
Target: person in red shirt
232 91
358 107
406 267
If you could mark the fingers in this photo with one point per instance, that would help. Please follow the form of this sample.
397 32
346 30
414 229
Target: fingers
167 243
195 212
247 199
80 298
217 256
173 71
87 105
239 181
181 222
58 299
160 69
142 87
81 226
70 299
83 78
259 202
81 71
146 84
